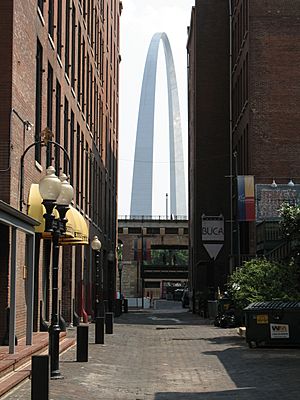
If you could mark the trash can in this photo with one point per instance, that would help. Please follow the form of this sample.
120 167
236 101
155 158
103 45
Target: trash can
273 323
212 306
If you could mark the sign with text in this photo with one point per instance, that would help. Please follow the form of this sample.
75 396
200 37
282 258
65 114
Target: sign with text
279 331
269 200
212 228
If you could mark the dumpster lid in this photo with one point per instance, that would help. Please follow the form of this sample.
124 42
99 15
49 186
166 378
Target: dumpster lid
274 305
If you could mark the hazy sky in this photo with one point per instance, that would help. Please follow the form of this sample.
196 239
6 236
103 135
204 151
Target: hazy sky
140 20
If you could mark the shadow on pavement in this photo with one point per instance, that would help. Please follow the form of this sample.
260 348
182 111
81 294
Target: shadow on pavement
270 372
238 394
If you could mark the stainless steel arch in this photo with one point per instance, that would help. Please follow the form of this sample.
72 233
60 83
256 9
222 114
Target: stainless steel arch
142 182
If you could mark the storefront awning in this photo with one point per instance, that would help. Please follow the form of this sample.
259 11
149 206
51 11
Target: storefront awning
77 230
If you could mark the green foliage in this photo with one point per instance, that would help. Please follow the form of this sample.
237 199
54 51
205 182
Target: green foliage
262 280
290 221
167 257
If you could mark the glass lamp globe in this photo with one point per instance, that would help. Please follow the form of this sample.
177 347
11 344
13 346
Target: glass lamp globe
96 244
66 194
50 185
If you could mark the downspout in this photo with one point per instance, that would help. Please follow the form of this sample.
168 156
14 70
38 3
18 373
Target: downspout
230 133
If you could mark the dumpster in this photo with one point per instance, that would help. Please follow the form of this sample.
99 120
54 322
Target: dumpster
273 323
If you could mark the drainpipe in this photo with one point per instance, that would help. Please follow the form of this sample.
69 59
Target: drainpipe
230 132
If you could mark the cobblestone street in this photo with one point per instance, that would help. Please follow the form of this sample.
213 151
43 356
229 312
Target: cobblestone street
173 355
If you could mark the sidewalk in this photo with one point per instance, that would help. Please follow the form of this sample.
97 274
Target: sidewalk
157 355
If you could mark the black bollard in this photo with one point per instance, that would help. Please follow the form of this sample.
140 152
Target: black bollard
40 377
125 305
99 330
76 318
82 343
109 323
118 307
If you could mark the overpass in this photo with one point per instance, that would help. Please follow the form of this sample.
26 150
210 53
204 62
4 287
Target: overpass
154 256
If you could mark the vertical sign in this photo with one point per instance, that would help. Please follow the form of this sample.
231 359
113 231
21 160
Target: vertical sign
246 201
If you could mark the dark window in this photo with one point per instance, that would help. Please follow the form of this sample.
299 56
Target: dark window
57 126
66 134
171 231
41 5
49 108
72 143
82 171
51 18
79 65
59 28
134 230
73 48
155 231
120 230
67 38
152 285
186 231
38 99
83 77
78 165
86 183
87 89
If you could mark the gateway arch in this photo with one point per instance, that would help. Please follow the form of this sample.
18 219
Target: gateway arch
141 195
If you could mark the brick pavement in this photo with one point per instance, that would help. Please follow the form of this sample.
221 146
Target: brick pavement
161 355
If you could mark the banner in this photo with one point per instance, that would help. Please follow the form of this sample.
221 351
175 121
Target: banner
246 200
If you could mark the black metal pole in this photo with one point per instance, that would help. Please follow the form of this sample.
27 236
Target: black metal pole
101 299
120 282
54 329
97 294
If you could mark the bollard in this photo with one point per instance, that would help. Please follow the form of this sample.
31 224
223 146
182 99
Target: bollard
109 323
105 303
125 305
82 343
99 330
118 307
40 377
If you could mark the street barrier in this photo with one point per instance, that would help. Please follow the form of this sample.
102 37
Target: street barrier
82 343
109 322
99 330
40 377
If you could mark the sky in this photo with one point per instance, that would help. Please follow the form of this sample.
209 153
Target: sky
140 20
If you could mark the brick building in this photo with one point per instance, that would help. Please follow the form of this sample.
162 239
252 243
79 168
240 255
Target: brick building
252 113
59 68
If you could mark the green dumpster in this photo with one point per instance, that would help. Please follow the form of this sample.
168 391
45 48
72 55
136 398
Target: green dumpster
273 323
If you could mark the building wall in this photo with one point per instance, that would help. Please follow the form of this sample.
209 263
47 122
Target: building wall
209 164
64 75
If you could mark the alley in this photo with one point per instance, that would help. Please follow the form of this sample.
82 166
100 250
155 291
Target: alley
171 354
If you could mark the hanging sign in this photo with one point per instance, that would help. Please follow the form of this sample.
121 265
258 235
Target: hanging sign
212 228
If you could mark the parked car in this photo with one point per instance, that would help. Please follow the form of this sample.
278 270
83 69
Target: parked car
185 299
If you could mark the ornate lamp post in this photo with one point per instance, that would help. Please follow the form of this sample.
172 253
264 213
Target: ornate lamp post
56 192
96 246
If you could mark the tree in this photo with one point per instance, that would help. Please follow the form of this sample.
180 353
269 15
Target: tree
263 280
290 221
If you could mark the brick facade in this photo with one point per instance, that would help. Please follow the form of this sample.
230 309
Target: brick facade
250 128
59 68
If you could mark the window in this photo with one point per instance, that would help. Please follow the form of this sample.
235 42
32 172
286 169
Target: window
73 47
38 99
134 231
67 38
51 18
41 6
72 143
83 78
153 231
59 28
172 231
79 65
49 109
66 134
78 166
57 126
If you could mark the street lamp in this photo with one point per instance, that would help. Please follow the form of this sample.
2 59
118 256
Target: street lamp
96 246
56 192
